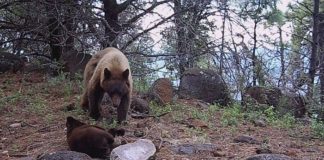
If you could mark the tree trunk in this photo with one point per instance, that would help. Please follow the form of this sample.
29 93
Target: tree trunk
314 56
223 38
55 38
282 80
113 28
180 31
321 52
254 58
70 24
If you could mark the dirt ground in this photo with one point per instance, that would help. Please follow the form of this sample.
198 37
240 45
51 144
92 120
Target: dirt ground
33 109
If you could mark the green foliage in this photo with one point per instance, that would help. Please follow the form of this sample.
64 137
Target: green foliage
141 85
37 106
276 16
12 99
199 135
231 115
199 114
213 109
158 110
179 112
271 115
318 128
64 84
108 125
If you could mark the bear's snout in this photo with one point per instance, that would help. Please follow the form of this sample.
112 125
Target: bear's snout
115 100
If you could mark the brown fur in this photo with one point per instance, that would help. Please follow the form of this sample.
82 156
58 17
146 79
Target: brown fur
89 139
107 71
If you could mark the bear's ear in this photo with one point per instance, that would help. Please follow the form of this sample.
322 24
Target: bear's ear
116 132
72 123
126 74
107 73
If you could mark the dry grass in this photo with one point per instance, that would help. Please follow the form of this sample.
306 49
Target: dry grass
37 102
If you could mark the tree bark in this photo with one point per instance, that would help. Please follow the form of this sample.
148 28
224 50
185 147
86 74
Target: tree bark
180 46
313 59
254 58
321 52
113 28
282 80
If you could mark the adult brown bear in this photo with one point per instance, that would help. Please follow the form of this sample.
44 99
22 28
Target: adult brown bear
89 139
107 71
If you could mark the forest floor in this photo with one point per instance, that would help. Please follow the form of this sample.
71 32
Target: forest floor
33 110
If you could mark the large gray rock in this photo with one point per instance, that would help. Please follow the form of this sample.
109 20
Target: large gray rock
283 102
65 155
269 157
141 149
204 84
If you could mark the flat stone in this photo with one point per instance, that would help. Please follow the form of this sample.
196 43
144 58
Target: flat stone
246 139
15 125
65 155
259 123
269 157
191 149
141 149
263 151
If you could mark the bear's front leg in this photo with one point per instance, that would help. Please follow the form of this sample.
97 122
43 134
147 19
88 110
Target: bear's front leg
94 97
122 109
85 101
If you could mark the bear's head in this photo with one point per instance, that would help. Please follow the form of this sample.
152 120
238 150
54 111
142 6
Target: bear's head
71 124
116 84
92 140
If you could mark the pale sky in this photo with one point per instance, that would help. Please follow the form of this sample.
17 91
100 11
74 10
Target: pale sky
166 11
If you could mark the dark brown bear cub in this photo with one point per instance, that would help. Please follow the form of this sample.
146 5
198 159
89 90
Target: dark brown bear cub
108 71
89 139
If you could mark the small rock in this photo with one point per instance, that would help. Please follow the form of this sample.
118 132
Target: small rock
259 123
196 123
219 154
140 105
311 149
263 151
138 133
193 148
64 155
70 107
15 125
246 139
3 139
4 152
26 158
269 157
141 149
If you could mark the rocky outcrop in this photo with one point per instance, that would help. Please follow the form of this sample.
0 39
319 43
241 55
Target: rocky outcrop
161 91
283 102
204 84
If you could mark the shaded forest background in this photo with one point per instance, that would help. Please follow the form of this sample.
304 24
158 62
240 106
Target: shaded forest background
249 43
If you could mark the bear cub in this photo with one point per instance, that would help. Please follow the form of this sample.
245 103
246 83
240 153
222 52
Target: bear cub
90 139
